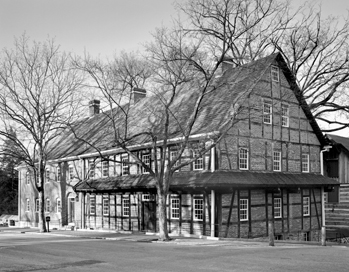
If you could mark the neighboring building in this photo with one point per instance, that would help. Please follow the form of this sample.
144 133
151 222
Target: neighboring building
267 168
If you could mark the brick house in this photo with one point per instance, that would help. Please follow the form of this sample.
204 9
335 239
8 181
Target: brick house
266 168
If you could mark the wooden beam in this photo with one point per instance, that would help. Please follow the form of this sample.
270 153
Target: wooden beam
230 212
316 211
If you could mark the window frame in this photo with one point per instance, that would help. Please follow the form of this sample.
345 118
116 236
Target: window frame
277 161
47 205
285 115
305 162
37 205
106 205
277 207
173 154
47 175
126 207
125 167
275 73
198 208
146 155
306 205
243 160
198 164
27 178
92 204
243 209
175 207
91 169
58 174
105 168
267 115
27 205
58 205
71 172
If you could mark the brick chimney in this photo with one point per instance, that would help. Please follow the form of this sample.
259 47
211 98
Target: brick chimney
138 94
93 106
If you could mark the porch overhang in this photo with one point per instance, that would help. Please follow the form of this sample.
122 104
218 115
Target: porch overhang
218 180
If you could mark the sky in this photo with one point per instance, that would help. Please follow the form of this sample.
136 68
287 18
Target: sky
100 27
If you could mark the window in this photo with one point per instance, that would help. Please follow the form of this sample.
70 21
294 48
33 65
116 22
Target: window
37 205
243 207
198 209
285 115
27 209
277 161
146 161
125 168
305 163
27 178
175 207
275 73
125 206
71 172
277 208
48 205
105 168
306 206
47 175
267 112
91 169
58 172
199 162
243 158
173 155
58 205
92 204
105 205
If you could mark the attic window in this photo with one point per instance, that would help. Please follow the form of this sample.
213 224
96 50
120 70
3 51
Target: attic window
275 73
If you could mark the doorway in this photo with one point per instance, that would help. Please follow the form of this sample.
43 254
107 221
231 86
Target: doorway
71 210
149 216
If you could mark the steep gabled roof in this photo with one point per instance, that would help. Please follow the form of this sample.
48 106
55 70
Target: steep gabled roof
232 88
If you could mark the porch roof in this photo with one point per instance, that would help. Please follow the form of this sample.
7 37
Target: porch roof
206 180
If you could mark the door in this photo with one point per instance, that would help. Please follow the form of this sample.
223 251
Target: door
71 211
149 215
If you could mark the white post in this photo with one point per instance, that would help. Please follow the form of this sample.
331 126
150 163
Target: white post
213 208
323 227
213 164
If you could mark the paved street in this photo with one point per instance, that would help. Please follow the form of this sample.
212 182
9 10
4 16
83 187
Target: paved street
32 251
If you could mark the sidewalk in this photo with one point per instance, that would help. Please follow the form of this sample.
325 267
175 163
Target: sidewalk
153 238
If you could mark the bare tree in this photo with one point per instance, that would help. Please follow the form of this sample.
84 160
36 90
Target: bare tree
316 49
181 84
38 94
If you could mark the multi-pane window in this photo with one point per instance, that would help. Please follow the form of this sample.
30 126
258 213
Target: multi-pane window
198 164
27 209
267 112
37 205
71 171
305 163
243 158
276 161
105 205
173 155
243 208
198 209
277 207
48 205
275 76
58 173
146 161
125 167
47 175
175 207
91 169
92 204
285 112
105 168
125 206
27 177
306 206
58 205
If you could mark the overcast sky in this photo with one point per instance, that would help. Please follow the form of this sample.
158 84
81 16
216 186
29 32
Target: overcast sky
101 27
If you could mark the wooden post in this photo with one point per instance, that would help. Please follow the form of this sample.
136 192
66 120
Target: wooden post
271 233
213 197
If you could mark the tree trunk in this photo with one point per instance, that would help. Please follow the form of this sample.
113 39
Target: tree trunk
42 221
163 231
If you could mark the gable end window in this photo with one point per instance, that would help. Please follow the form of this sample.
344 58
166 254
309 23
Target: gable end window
243 159
276 161
285 112
305 163
267 112
275 74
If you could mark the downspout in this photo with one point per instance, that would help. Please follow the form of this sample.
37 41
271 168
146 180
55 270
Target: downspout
213 195
326 149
